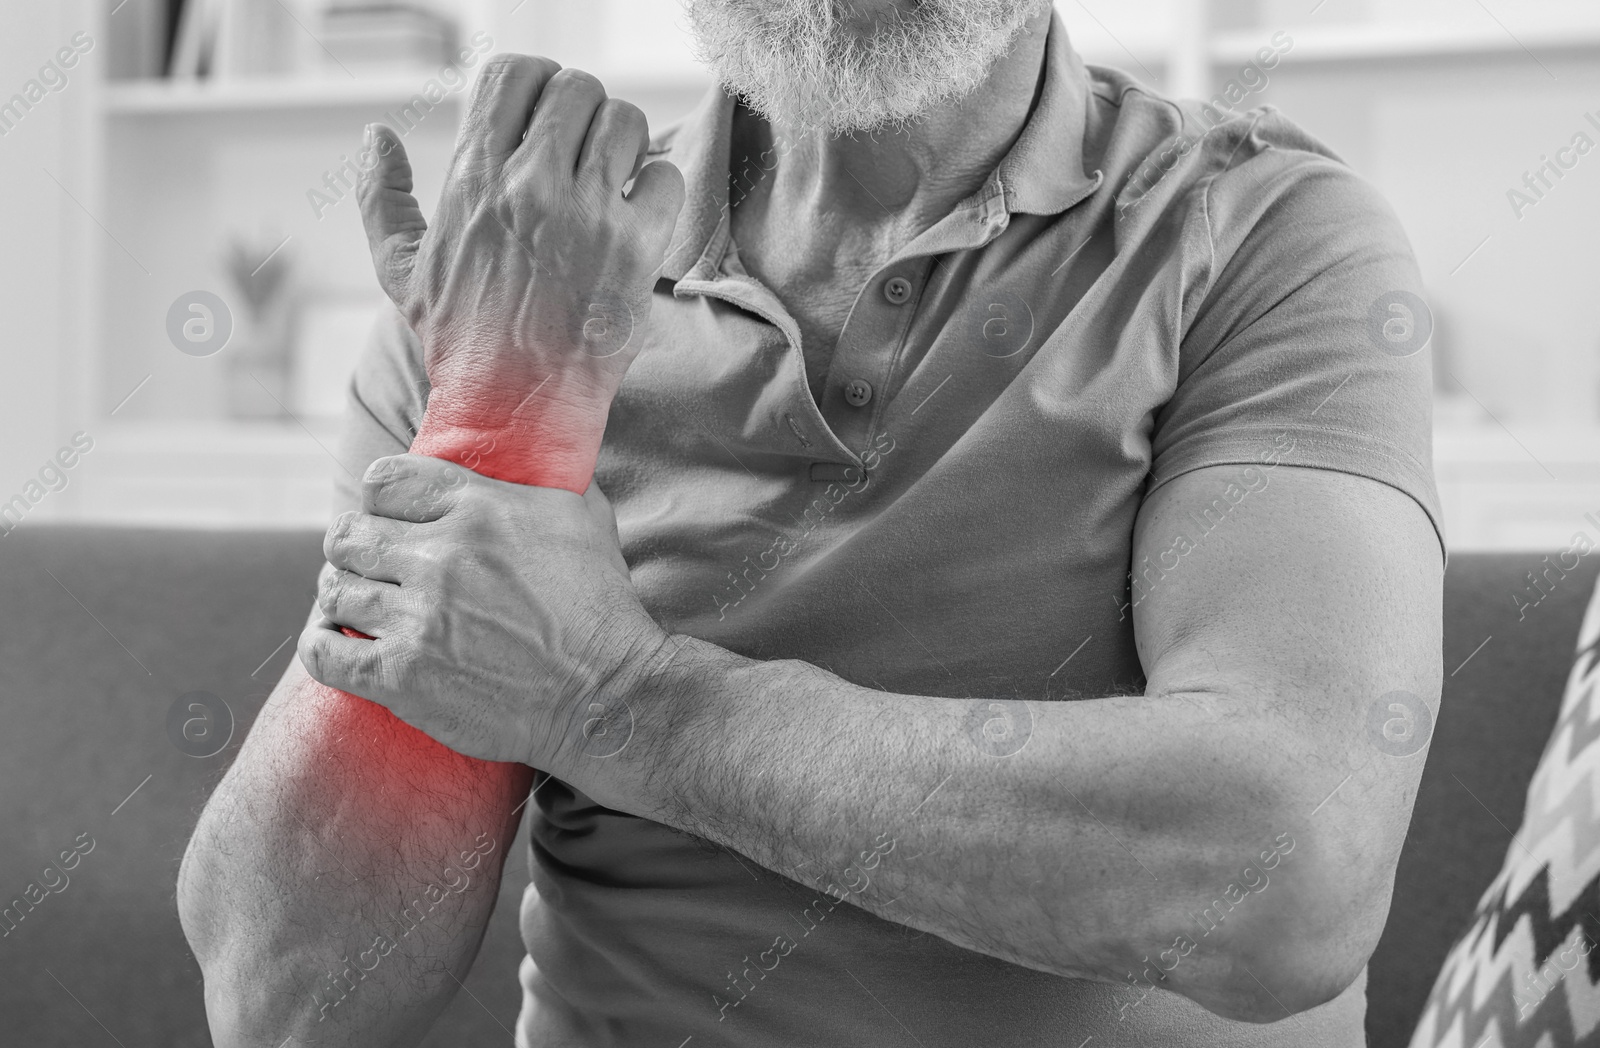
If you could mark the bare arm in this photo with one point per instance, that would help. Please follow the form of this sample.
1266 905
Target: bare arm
1230 835
343 873
340 879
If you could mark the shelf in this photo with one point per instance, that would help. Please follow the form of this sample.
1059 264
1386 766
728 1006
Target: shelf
1124 50
190 97
289 94
216 474
1380 42
224 438
1364 42
1483 452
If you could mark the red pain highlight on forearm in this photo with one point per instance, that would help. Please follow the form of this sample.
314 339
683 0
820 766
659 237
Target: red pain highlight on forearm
553 447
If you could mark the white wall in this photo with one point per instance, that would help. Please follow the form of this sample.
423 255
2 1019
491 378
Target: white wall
44 299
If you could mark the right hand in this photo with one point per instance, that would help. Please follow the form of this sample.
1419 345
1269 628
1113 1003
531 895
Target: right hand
537 271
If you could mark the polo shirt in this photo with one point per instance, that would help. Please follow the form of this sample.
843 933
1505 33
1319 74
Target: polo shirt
1141 288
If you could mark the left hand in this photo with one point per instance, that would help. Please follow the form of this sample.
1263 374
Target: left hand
505 623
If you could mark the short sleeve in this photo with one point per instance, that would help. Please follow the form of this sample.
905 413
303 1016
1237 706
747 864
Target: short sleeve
1311 342
383 404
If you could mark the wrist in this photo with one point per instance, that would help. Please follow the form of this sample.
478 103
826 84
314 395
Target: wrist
663 693
553 445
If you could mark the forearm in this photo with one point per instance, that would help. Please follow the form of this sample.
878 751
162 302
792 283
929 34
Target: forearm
352 806
342 874
319 848
1086 852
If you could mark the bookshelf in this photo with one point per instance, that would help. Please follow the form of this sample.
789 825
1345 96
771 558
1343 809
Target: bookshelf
180 167
181 99
1390 43
267 95
160 172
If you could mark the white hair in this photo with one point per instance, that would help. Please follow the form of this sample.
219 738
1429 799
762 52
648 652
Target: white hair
809 66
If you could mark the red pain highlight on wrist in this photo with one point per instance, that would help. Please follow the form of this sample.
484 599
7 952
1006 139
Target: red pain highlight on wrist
556 447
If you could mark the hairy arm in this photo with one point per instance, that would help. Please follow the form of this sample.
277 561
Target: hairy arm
341 876
1230 835
343 873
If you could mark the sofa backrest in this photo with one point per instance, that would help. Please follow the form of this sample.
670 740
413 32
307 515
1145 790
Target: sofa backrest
102 630
1506 660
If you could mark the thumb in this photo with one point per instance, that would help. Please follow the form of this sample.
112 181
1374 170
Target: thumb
658 189
391 215
605 518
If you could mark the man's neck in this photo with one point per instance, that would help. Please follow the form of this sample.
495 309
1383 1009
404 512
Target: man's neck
813 217
897 182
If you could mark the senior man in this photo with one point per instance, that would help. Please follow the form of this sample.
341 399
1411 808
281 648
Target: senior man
1021 600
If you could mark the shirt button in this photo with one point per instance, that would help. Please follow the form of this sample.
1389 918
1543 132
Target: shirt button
857 393
897 290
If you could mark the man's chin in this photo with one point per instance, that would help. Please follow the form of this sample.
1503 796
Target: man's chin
827 121
831 107
809 75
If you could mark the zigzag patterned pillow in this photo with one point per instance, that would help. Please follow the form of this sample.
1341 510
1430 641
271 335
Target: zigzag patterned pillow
1524 975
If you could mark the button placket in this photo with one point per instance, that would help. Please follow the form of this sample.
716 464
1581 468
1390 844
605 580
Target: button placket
867 349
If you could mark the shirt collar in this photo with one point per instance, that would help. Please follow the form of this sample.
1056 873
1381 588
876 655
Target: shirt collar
1042 174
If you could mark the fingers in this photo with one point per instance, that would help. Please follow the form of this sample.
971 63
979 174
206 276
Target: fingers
503 100
375 547
618 140
355 666
561 122
415 488
348 599
391 215
600 511
604 517
659 190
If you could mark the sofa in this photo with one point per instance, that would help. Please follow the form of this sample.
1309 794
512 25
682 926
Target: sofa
104 630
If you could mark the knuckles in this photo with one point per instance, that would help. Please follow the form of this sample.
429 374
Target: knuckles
329 585
624 113
431 566
507 67
371 668
395 266
336 542
578 80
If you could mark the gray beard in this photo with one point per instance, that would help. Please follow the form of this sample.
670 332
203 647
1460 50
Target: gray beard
798 64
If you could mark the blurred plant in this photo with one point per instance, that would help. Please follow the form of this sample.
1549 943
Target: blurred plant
259 369
260 282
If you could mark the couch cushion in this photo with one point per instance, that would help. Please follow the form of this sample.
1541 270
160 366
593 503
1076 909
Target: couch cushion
1521 975
1502 689
101 631
86 724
